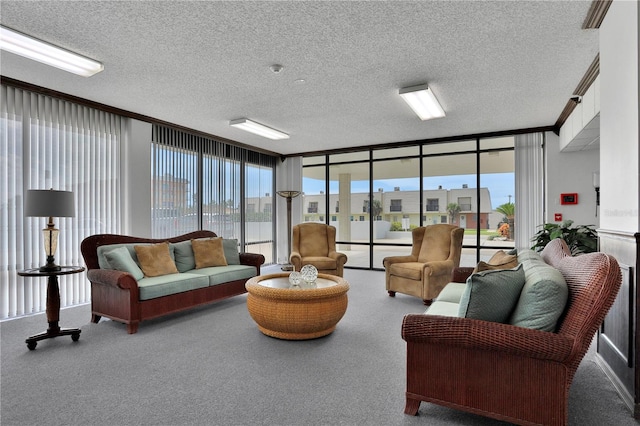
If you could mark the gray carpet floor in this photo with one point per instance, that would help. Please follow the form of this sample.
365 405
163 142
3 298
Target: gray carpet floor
211 366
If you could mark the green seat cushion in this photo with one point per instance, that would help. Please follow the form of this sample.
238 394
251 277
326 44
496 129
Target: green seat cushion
224 274
120 259
452 292
492 295
446 309
153 287
543 297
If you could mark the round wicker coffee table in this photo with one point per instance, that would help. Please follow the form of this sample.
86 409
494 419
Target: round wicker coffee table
296 313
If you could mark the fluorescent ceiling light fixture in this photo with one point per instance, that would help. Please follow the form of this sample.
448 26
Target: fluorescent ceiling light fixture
258 129
422 101
29 47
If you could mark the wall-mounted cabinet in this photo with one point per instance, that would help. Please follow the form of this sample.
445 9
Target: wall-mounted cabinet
581 131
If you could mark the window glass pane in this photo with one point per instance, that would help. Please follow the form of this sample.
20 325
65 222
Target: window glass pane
174 209
498 177
409 151
313 194
258 211
502 142
350 156
450 190
448 147
306 161
348 190
198 184
396 201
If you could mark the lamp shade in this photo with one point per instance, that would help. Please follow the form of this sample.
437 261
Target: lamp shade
49 203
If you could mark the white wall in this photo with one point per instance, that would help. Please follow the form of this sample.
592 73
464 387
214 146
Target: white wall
570 172
619 158
136 179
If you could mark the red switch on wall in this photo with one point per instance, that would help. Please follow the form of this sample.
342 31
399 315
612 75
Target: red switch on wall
557 217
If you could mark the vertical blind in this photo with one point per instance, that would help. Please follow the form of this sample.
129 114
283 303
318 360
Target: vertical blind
48 143
201 183
529 158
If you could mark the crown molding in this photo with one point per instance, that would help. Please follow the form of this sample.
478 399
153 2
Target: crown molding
596 14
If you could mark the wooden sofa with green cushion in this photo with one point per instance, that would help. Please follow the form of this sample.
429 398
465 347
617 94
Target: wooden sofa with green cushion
509 348
135 279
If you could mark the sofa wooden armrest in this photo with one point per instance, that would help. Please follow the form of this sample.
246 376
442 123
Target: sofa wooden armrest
112 277
252 259
484 335
461 273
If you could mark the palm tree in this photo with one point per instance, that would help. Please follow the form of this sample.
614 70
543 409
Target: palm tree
509 212
453 209
376 208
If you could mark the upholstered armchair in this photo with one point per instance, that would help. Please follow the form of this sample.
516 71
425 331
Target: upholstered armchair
424 273
315 244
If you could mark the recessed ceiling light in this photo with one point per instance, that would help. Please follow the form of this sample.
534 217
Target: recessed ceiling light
32 48
423 102
258 129
300 81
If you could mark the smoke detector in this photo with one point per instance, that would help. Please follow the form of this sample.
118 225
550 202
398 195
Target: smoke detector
276 68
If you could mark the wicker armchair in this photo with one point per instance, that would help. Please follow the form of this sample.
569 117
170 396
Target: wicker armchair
434 254
506 372
315 244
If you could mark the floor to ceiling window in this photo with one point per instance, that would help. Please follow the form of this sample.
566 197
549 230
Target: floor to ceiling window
376 197
200 183
49 143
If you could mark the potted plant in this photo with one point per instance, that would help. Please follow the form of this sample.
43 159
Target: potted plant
580 238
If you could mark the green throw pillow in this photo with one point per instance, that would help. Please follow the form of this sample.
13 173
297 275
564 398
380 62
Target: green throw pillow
120 260
492 295
230 248
542 299
184 258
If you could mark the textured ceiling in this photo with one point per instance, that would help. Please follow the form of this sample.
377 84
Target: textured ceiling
494 65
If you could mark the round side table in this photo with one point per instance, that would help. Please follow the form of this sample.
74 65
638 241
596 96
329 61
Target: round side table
53 304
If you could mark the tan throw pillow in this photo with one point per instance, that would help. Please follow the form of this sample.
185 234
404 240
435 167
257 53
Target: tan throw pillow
208 252
155 260
500 260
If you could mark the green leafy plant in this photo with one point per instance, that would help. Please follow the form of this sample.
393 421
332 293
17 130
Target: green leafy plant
579 239
396 226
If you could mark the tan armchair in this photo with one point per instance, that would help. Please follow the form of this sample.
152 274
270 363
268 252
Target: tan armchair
315 244
424 273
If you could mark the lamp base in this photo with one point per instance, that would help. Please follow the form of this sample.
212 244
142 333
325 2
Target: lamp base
50 266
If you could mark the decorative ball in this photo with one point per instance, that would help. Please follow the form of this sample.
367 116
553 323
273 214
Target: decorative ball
309 273
295 278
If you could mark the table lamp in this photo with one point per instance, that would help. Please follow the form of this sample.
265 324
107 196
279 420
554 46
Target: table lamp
49 203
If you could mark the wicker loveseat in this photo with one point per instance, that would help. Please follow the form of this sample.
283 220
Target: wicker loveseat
507 372
120 296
